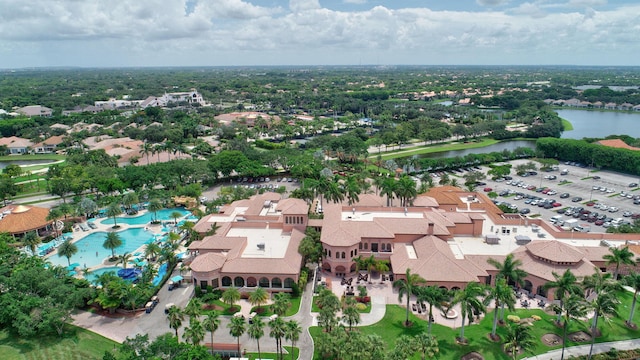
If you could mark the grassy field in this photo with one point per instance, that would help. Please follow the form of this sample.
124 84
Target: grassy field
286 356
76 343
391 327
566 125
434 149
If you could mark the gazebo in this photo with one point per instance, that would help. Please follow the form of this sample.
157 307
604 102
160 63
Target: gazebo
18 220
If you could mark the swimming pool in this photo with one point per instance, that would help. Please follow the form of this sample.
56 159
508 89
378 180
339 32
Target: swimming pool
91 252
163 215
92 276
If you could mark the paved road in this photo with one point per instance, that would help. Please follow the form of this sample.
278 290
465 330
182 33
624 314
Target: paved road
584 350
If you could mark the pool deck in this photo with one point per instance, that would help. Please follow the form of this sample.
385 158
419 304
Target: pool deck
78 234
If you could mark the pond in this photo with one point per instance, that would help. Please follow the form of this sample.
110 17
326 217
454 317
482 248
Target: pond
505 145
4 164
600 124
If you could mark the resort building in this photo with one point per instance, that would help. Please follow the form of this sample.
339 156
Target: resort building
18 220
255 244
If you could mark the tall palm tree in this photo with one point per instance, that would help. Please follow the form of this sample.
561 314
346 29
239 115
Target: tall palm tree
604 305
573 308
195 332
434 296
146 149
258 297
470 302
211 323
194 308
352 189
351 315
175 316
564 285
406 190
632 280
277 330
111 242
53 215
152 250
175 216
519 337
237 327
388 189
130 199
113 211
510 270
154 206
256 332
292 333
619 256
406 288
31 240
67 249
502 294
231 296
281 302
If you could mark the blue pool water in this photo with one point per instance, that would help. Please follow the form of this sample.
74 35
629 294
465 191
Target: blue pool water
92 276
162 270
91 252
163 215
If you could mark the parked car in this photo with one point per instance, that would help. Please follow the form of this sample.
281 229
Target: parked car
564 195
633 185
576 199
488 189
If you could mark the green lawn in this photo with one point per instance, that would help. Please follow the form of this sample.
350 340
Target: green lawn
292 310
286 356
32 157
391 327
566 125
76 343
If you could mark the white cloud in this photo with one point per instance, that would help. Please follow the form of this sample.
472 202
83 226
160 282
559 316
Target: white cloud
355 1
303 5
529 9
587 3
492 3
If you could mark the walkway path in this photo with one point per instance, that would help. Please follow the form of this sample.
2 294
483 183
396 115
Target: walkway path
584 349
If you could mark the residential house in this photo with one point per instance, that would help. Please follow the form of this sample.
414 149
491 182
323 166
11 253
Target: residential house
35 110
16 145
49 145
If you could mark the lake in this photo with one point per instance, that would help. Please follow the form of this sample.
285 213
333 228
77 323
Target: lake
599 124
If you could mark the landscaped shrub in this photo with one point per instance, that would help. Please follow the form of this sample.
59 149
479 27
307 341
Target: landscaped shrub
513 318
536 317
361 306
363 299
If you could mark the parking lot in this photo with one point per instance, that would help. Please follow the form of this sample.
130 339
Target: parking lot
606 198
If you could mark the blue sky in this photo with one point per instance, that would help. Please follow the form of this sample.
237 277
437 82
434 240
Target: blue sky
95 33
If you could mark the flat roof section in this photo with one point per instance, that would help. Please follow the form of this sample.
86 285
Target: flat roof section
369 216
262 243
411 251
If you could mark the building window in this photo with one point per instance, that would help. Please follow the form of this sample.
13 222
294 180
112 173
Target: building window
276 283
288 283
238 282
226 281
264 282
214 283
360 246
366 246
204 284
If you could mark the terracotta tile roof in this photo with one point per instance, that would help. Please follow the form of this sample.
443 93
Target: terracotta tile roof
53 140
23 219
617 143
435 262
555 251
370 200
595 253
15 142
208 262
544 270
425 201
292 206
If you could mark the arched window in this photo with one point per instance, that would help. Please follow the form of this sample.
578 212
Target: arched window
264 282
343 255
251 281
276 283
238 282
288 283
351 254
226 281
366 246
355 252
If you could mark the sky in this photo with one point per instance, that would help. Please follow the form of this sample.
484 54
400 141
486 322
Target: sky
140 33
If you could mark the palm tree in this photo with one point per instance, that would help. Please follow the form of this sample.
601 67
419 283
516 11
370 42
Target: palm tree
434 296
281 303
111 242
31 240
619 256
237 327
195 332
256 331
152 250
211 324
175 216
632 280
605 305
67 249
519 337
406 190
470 303
510 270
427 344
350 314
258 297
352 189
278 327
231 296
564 285
114 210
175 317
194 308
406 287
502 295
146 149
124 259
154 206
292 332
130 199
573 307
388 189
54 215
